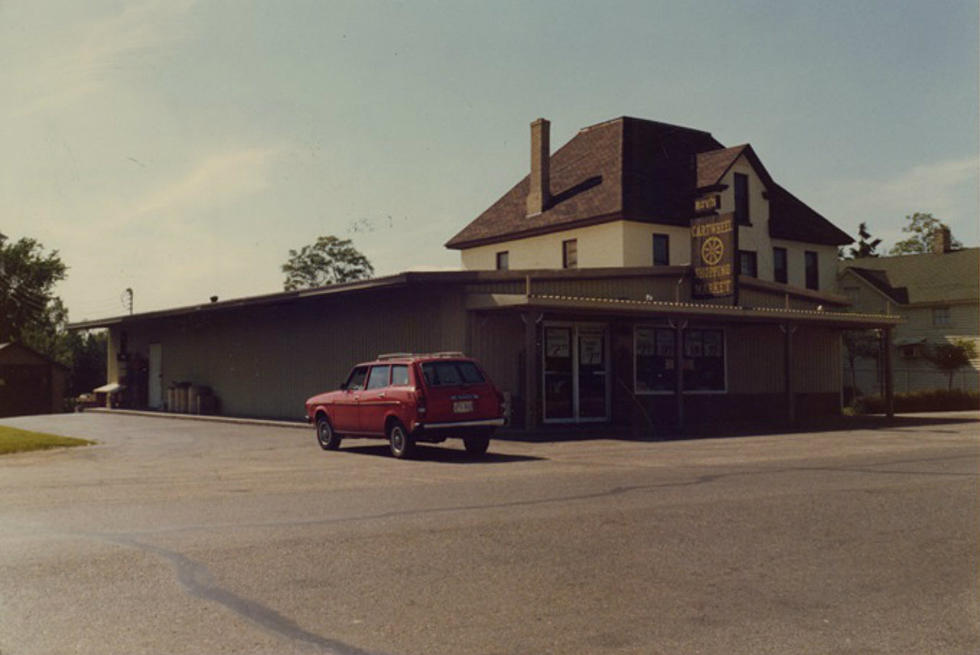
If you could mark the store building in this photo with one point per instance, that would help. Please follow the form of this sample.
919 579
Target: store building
642 275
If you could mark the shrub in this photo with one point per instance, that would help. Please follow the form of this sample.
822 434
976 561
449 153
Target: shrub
939 400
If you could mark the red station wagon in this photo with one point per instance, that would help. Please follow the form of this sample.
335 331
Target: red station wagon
408 398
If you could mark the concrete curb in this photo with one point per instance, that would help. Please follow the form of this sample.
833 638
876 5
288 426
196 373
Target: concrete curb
203 417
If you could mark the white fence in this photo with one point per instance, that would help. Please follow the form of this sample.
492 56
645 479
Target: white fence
905 379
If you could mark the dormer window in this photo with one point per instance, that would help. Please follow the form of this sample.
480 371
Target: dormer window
741 184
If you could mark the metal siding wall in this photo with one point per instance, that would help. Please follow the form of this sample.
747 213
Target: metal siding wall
497 341
755 359
265 361
758 298
816 360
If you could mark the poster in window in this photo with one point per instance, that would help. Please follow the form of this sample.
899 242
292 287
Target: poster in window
557 342
665 343
589 350
712 343
693 346
644 342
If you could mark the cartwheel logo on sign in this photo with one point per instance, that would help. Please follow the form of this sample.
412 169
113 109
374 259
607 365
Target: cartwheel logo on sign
714 243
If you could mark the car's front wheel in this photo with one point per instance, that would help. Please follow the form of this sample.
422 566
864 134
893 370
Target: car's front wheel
325 436
476 445
401 443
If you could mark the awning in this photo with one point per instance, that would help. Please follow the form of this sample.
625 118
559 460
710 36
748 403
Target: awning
112 387
647 308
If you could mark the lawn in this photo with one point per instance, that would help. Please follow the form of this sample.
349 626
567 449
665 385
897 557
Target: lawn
13 440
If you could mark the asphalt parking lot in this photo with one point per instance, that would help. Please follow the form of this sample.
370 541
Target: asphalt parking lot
188 537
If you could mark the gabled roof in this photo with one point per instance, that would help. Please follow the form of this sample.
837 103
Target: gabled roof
791 218
33 354
639 170
929 277
879 280
713 165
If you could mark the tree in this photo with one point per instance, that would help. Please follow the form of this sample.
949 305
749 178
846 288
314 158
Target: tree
950 357
29 312
328 261
865 245
923 228
88 361
863 343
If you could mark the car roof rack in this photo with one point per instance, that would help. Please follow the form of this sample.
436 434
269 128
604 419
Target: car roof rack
445 354
384 356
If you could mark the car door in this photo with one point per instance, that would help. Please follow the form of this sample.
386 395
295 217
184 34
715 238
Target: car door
374 400
345 408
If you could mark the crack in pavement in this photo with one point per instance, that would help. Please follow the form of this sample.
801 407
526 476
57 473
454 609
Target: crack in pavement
197 580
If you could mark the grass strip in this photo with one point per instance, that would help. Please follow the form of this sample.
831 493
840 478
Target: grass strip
14 440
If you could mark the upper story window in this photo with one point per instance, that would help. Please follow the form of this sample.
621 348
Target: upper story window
741 183
661 250
748 263
780 265
812 266
569 253
940 316
503 260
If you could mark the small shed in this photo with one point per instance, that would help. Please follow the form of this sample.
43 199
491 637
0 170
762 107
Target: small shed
30 383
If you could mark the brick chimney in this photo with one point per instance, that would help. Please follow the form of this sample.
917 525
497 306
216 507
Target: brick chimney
539 193
942 240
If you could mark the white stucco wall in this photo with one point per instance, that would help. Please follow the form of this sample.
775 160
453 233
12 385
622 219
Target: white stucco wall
598 246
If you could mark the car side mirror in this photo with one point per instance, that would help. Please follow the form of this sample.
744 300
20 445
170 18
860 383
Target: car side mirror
343 386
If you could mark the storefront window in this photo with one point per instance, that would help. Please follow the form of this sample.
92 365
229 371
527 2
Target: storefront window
703 360
654 360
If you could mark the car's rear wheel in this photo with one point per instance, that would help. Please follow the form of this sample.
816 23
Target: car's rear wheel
401 443
325 436
476 445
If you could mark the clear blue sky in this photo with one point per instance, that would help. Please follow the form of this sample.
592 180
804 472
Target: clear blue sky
182 148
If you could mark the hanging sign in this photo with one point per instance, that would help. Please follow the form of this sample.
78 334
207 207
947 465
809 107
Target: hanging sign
714 242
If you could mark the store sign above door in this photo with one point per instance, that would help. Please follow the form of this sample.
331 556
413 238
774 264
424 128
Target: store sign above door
714 242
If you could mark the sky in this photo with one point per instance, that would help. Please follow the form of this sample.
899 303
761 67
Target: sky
182 148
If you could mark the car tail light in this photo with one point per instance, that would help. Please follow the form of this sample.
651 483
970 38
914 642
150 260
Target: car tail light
420 402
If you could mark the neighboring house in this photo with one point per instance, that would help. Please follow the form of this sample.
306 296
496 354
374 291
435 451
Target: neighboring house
580 297
30 383
938 297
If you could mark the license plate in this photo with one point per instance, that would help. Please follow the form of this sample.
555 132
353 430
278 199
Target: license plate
462 406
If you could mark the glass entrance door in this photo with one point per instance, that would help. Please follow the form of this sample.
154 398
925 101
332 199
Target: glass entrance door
575 371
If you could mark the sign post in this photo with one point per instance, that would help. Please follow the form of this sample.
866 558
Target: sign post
714 244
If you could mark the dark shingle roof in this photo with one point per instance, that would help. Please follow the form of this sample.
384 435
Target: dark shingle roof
879 280
639 170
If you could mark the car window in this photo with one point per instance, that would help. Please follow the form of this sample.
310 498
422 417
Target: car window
399 375
378 377
355 381
439 374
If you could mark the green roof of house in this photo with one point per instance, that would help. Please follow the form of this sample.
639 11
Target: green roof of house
929 277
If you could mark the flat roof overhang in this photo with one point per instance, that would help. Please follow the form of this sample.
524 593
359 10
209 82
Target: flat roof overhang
655 309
